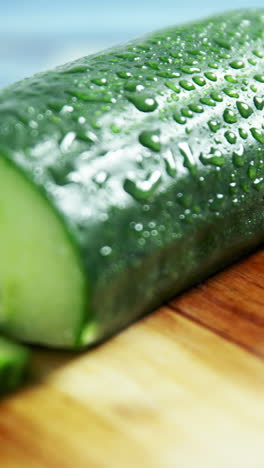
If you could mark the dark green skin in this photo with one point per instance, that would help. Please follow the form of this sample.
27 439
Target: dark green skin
14 360
142 244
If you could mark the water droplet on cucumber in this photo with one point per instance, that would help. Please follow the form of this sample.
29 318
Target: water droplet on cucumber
143 189
151 139
143 103
230 116
244 109
237 64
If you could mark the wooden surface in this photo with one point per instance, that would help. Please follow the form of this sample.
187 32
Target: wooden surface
182 388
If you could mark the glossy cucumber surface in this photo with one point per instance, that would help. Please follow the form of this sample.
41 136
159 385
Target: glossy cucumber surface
148 160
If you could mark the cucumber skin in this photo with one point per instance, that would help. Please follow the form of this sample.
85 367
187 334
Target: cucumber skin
140 250
14 361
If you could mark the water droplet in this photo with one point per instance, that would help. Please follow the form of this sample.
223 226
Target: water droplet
66 109
100 178
231 92
133 86
146 207
208 101
126 56
196 52
179 119
199 80
233 188
151 139
258 184
224 55
238 157
165 59
258 53
214 125
168 74
138 227
216 96
146 234
259 102
76 69
231 137
152 224
115 128
187 85
252 61
243 133
173 97
153 65
230 79
190 69
99 81
213 65
257 134
215 158
230 116
143 190
105 250
172 86
176 54
210 76
237 64
244 109
86 136
33 124
124 74
196 108
187 112
170 164
188 157
67 141
259 78
143 103
95 124
151 78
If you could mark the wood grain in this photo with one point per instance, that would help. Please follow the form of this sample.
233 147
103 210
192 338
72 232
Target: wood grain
166 393
231 303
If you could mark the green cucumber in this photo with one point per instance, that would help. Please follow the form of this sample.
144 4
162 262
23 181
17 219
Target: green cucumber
13 364
128 176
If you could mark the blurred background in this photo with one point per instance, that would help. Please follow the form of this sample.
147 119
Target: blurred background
39 34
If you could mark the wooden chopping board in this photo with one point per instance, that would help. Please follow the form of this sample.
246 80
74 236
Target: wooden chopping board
182 388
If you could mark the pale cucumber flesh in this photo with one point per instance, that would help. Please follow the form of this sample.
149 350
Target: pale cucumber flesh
41 281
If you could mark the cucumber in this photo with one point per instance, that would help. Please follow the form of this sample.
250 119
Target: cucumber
13 364
128 176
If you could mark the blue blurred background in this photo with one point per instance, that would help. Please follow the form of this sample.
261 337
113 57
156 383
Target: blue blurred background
38 34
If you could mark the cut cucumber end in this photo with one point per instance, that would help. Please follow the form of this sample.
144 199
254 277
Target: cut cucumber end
42 284
14 361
